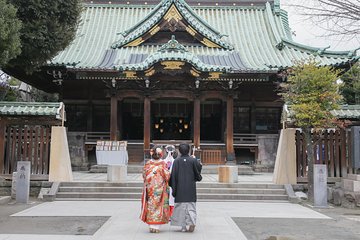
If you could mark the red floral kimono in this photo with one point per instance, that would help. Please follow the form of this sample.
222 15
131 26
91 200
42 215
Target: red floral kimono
155 197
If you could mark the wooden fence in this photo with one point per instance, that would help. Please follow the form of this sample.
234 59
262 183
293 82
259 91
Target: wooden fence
212 157
30 143
332 148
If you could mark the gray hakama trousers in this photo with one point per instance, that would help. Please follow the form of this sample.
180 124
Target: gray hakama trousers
184 214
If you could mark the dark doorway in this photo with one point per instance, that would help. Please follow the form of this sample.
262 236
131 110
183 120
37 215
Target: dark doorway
171 119
210 123
132 119
244 156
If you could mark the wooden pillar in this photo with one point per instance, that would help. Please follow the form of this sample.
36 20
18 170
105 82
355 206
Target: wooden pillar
147 110
196 122
2 145
230 153
113 119
120 120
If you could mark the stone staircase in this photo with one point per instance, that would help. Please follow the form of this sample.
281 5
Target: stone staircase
207 169
70 191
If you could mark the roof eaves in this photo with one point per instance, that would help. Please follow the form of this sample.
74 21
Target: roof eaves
159 12
31 108
321 51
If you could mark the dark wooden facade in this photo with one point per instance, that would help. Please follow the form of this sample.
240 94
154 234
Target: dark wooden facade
199 71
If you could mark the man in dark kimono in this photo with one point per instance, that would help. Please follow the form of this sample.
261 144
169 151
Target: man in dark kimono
186 171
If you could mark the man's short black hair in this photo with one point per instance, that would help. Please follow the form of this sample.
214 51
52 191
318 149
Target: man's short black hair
184 148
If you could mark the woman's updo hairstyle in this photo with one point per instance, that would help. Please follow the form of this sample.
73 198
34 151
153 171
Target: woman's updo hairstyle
157 152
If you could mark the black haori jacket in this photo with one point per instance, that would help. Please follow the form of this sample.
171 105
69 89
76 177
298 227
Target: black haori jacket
186 171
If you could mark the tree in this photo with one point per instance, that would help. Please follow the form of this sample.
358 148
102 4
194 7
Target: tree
351 87
9 33
48 27
339 17
312 92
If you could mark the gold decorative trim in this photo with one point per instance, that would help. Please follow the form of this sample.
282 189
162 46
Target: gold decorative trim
209 43
130 74
173 13
214 75
154 30
150 72
135 43
190 30
172 65
195 72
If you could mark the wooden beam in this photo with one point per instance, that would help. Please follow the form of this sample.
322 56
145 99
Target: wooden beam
230 153
197 122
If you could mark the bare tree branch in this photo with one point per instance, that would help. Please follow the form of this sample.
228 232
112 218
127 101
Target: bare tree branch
338 17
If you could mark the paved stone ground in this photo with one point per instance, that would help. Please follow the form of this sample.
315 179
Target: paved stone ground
90 220
343 225
107 220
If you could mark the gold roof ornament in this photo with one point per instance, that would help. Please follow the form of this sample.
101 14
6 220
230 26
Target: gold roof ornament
172 65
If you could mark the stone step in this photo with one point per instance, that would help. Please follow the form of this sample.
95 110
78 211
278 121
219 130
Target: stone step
199 190
355 177
129 199
207 169
351 185
258 197
5 199
210 196
199 185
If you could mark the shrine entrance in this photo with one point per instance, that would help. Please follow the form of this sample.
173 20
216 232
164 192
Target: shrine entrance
171 119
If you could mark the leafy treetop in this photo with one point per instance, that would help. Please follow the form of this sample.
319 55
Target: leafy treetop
9 33
312 92
48 27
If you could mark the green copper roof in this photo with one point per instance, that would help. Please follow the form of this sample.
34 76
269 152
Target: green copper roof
173 51
260 36
159 12
347 111
31 109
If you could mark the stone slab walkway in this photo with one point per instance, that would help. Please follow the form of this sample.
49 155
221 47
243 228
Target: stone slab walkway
214 219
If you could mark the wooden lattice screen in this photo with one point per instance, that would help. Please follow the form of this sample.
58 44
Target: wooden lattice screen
30 143
212 157
332 148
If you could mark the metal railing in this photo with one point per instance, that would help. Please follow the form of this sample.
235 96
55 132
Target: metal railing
92 137
246 139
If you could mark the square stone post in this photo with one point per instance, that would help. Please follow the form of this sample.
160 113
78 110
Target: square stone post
23 181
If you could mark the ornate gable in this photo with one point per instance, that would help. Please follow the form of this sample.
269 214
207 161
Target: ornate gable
172 16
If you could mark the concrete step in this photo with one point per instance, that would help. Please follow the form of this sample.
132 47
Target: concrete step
199 190
207 169
202 196
206 191
5 199
258 197
101 189
199 185
129 199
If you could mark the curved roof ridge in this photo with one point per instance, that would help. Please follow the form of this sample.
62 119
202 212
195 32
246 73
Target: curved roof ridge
149 25
173 51
320 50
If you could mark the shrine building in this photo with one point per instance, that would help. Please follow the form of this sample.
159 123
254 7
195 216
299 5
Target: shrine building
205 72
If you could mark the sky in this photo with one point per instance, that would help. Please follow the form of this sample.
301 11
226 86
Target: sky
309 34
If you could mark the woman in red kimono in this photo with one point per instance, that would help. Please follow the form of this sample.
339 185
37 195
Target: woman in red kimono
155 198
